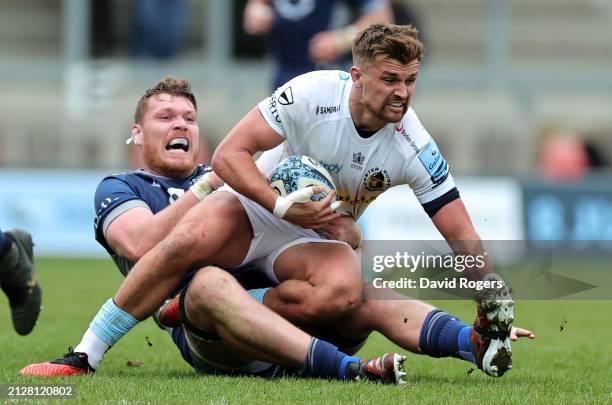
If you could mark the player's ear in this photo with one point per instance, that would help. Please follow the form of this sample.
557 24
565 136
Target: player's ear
356 75
137 134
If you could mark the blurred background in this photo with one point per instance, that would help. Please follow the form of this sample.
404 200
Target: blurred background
517 94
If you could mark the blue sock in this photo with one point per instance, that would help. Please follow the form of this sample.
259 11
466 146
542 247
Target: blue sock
443 335
325 360
111 323
258 294
466 351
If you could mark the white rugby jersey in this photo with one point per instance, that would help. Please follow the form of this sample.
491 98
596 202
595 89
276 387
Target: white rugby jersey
312 113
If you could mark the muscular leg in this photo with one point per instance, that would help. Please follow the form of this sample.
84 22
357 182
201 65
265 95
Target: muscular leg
215 302
319 282
218 221
397 317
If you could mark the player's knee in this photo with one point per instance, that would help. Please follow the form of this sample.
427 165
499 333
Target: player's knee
212 289
335 299
344 298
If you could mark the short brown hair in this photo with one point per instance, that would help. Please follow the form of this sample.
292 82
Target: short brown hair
168 85
399 42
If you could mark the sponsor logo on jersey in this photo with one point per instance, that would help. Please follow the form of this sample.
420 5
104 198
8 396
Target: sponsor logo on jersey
329 109
399 127
434 163
106 202
358 159
332 167
376 179
286 97
344 76
273 109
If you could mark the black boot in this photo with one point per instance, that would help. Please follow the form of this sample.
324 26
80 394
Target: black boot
18 281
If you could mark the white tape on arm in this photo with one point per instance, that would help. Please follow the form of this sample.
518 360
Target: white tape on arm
202 187
282 204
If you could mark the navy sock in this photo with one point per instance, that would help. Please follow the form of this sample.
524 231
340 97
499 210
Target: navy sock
443 335
325 360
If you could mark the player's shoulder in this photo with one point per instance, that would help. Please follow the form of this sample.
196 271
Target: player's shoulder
338 77
115 184
411 133
129 177
316 86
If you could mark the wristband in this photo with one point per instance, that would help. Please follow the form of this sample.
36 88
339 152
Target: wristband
282 204
202 187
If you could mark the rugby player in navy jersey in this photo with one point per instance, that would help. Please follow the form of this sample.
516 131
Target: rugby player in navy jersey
18 279
224 330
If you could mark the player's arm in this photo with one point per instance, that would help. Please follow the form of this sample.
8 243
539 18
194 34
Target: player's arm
135 231
233 162
375 11
455 225
344 229
327 46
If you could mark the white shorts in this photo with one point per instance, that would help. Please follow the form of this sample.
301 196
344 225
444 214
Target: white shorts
271 235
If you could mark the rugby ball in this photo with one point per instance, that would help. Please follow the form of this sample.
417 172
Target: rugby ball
299 171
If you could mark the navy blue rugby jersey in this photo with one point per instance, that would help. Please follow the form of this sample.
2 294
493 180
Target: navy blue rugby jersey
119 193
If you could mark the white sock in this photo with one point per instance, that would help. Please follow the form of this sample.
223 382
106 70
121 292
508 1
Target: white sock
94 347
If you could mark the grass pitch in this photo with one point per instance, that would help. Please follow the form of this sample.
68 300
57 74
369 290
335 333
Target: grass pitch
569 362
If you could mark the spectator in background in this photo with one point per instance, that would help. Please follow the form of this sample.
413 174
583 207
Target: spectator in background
158 28
18 279
563 157
301 34
597 157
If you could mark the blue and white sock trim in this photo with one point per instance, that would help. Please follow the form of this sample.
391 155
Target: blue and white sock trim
112 323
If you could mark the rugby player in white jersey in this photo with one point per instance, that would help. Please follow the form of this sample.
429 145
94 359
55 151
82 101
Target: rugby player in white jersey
360 119
362 129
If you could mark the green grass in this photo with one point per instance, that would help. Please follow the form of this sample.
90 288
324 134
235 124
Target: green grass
569 366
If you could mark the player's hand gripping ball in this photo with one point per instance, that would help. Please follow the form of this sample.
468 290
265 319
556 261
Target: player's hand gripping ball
299 172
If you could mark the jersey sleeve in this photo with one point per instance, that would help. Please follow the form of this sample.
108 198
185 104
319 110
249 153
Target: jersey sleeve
287 109
427 172
269 108
113 197
271 158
